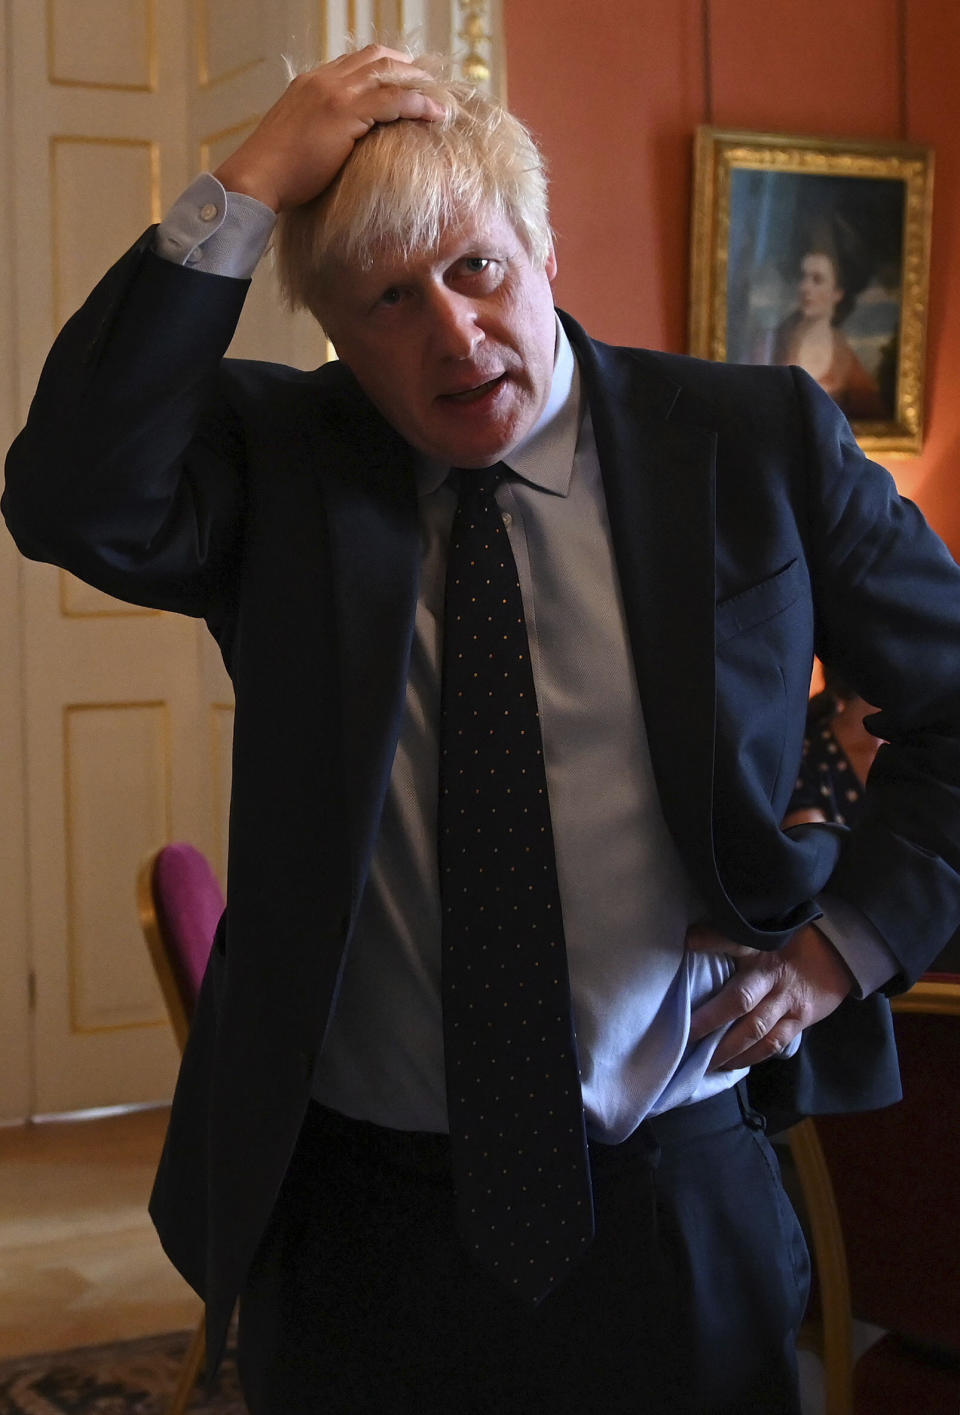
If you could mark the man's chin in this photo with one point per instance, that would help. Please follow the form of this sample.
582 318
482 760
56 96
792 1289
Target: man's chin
481 432
480 449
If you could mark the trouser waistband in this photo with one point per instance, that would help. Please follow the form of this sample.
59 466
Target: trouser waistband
680 1125
429 1153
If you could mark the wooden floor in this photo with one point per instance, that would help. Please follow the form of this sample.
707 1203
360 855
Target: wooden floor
79 1260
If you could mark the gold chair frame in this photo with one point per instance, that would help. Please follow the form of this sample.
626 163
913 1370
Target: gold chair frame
941 998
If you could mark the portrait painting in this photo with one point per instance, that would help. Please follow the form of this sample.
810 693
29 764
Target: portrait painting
816 253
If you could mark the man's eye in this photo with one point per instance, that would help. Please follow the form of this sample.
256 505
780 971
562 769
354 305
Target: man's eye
476 264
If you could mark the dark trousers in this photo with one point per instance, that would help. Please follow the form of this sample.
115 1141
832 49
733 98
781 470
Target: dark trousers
687 1303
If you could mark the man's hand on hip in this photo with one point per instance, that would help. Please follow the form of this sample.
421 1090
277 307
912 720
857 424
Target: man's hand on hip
770 997
300 145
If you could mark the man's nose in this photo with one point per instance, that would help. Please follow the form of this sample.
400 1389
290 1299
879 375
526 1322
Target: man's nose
455 324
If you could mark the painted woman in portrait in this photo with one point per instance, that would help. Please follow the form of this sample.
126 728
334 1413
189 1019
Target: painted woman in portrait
812 337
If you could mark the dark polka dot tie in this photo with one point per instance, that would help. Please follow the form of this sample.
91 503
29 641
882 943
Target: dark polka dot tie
513 1086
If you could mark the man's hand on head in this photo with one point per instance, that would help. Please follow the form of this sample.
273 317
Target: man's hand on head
300 145
770 997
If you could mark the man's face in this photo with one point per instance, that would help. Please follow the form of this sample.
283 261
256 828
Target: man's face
454 346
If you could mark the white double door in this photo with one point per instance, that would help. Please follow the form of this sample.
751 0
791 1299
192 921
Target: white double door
115 723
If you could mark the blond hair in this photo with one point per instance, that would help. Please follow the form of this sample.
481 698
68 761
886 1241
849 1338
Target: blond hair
407 182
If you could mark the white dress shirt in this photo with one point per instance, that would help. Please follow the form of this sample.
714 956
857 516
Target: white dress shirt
627 901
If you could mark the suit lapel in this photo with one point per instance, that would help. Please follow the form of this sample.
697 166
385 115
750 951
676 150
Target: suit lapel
372 514
658 475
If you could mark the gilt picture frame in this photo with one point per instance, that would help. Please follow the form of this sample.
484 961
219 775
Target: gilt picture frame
816 252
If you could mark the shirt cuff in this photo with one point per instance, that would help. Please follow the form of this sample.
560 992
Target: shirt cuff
210 229
858 943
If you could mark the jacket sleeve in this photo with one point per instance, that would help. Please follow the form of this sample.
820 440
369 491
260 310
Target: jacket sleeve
887 596
129 470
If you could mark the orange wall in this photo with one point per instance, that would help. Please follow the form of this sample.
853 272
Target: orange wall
614 90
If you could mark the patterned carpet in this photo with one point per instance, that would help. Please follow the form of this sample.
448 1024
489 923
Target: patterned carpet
123 1378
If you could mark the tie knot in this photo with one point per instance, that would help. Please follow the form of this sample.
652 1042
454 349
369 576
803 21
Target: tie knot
480 483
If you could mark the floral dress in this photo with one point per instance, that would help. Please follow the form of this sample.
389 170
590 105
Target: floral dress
827 782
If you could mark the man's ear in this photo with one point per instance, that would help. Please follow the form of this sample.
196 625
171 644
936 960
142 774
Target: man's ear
550 265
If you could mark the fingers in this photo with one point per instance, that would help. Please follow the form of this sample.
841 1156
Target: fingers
301 143
380 87
370 53
741 993
771 996
386 79
387 103
762 1034
740 996
759 1008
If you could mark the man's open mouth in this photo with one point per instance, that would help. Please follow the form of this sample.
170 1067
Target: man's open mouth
473 395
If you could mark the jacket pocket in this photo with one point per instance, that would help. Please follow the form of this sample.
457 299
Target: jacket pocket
753 606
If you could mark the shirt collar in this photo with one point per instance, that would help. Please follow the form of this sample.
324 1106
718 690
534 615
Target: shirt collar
545 456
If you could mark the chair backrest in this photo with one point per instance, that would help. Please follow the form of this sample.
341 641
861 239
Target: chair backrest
895 1178
180 904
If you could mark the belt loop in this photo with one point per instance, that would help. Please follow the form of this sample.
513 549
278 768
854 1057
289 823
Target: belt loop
751 1118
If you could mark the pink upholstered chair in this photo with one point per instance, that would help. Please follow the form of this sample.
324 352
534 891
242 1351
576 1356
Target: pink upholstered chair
180 903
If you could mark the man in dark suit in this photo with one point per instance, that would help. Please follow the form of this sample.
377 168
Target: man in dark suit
633 595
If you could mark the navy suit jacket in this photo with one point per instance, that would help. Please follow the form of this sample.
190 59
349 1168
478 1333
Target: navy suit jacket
749 533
